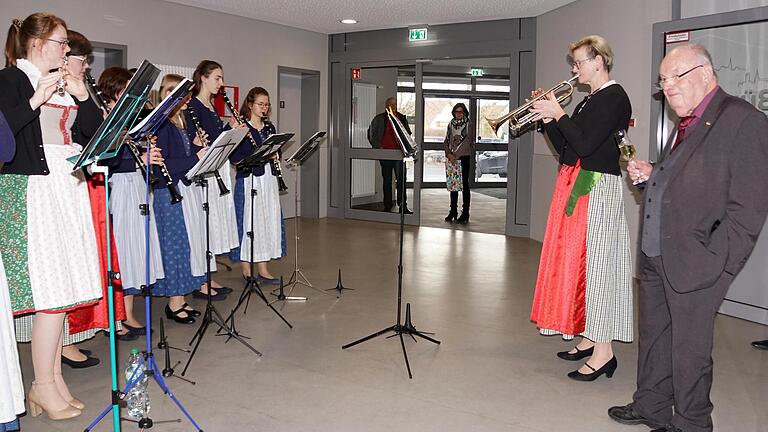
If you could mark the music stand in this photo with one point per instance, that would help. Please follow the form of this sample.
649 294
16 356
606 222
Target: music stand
207 166
410 150
105 144
260 156
294 161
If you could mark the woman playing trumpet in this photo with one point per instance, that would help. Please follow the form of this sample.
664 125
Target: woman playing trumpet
584 285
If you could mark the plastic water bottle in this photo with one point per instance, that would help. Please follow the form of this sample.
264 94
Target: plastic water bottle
137 397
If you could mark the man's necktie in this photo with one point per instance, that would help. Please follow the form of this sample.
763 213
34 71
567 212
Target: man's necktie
681 130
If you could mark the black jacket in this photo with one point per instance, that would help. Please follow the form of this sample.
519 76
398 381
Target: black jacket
15 92
379 126
587 136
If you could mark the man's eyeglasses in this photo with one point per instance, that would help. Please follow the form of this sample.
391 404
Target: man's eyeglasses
62 43
578 63
672 80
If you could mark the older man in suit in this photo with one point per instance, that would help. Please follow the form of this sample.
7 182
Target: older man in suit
705 202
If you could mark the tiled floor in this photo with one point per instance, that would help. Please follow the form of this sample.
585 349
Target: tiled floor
492 371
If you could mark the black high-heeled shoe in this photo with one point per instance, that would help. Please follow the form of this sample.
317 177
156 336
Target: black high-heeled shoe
578 355
452 216
464 218
174 315
608 369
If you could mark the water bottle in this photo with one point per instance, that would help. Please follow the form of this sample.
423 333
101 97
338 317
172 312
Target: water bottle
137 397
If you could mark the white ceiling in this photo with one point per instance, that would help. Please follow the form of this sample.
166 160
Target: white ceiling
323 15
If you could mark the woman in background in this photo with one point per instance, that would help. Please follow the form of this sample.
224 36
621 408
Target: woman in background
458 146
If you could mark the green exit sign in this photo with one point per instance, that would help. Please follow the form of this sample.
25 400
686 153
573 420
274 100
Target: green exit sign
477 72
417 34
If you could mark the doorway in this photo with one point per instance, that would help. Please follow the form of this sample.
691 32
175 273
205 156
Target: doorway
297 107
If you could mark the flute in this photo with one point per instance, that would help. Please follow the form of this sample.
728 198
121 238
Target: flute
275 163
61 83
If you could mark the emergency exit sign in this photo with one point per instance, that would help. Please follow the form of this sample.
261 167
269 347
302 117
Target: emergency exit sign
417 34
477 72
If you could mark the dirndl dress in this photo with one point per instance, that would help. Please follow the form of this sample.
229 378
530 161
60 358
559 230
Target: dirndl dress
267 218
47 237
584 284
128 193
11 385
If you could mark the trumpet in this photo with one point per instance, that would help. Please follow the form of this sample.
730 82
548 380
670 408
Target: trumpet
521 117
199 131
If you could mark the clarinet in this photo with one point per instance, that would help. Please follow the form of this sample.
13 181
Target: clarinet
275 163
199 131
98 97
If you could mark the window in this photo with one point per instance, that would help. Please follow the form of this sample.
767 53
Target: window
492 109
437 115
491 166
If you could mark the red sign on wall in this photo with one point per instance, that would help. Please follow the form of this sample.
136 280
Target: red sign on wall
356 73
233 93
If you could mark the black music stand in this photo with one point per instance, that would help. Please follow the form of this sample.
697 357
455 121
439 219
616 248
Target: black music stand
294 161
260 156
410 150
207 166
105 144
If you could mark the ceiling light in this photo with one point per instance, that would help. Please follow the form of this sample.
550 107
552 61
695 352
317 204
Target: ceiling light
348 21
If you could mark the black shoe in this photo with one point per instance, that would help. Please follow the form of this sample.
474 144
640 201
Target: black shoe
190 310
668 428
203 296
608 369
407 211
174 315
763 344
464 218
451 216
88 362
627 415
578 355
224 290
141 331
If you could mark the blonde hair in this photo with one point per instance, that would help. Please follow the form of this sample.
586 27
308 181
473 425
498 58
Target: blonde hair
169 82
596 46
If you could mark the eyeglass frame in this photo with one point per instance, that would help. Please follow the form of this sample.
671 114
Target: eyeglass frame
578 63
263 105
674 78
83 58
62 43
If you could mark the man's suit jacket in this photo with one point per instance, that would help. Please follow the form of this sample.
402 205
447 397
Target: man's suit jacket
716 200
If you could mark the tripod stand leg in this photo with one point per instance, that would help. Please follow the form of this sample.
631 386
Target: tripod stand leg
216 318
161 383
369 337
199 336
405 355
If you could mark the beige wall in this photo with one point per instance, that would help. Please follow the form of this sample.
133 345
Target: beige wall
167 33
627 26
694 8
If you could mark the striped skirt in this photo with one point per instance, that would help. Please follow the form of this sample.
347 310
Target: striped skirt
47 237
584 285
129 227
175 249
